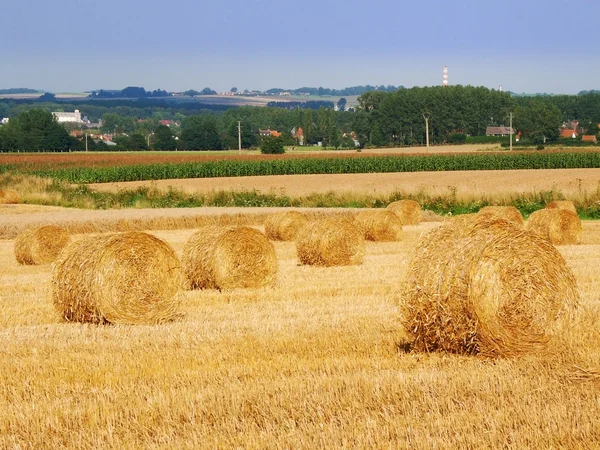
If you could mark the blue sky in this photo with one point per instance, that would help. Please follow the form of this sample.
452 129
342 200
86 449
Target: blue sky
74 45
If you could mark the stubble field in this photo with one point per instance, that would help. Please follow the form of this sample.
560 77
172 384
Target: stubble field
316 362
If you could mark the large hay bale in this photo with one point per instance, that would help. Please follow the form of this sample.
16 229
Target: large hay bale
509 213
40 245
559 226
284 225
331 242
126 278
409 211
9 197
379 225
228 258
562 204
487 288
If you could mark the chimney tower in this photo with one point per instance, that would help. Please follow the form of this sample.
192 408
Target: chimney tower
445 81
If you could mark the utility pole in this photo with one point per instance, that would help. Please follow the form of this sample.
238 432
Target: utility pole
86 144
426 129
511 132
239 127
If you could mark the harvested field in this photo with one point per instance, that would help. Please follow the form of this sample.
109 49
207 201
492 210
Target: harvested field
492 184
300 365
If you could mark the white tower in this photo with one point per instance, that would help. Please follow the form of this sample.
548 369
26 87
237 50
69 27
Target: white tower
445 82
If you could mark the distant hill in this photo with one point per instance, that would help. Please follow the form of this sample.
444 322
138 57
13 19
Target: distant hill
15 91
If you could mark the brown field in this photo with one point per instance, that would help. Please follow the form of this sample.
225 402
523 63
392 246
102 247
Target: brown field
492 184
316 362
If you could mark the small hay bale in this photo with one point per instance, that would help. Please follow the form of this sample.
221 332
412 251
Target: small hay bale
559 226
562 204
126 278
228 258
486 288
409 211
9 197
509 213
284 225
40 245
379 225
331 242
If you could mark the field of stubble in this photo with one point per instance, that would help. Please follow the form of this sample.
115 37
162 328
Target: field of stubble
316 362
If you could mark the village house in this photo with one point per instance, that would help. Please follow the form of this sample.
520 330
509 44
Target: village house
569 134
68 117
589 138
498 131
269 132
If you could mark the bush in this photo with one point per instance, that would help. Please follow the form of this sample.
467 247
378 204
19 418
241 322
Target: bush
272 145
457 138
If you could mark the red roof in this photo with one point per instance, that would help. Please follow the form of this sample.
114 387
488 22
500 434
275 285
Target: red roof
588 138
568 133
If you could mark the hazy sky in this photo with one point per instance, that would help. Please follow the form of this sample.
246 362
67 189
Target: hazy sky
74 45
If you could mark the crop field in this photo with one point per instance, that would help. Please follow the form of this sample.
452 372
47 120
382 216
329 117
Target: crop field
315 362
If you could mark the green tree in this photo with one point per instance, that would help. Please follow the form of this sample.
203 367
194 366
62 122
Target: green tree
272 145
538 120
201 133
35 130
164 139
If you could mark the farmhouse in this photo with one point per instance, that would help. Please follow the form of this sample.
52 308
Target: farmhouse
68 117
498 131
568 134
589 138
269 132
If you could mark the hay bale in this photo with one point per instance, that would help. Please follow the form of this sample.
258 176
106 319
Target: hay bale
409 211
562 204
127 278
509 213
487 288
9 197
379 225
40 245
284 225
228 258
331 242
559 226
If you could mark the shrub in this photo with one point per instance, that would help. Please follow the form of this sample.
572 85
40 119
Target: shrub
272 145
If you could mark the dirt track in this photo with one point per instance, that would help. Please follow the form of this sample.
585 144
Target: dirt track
572 183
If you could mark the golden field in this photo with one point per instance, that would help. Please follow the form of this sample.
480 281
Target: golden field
316 362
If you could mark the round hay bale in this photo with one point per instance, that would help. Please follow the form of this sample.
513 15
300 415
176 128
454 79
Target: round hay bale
379 225
509 213
559 226
285 225
409 211
562 204
487 288
331 242
127 278
464 219
228 258
9 197
40 245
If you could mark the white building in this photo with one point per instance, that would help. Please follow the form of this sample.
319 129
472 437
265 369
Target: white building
62 117
4 121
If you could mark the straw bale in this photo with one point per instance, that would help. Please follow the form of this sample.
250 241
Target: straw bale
9 197
562 204
559 226
40 245
509 213
228 258
409 211
486 288
284 225
126 278
331 242
379 225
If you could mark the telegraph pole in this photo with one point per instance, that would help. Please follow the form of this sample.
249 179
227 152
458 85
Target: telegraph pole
86 144
239 127
511 132
426 129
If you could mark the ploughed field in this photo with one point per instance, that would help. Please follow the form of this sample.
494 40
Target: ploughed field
315 362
